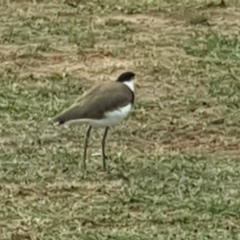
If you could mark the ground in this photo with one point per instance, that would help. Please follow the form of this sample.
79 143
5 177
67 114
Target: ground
174 168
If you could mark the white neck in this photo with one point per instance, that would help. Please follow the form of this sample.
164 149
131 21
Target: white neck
129 84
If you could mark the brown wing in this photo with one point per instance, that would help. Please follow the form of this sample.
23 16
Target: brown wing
97 101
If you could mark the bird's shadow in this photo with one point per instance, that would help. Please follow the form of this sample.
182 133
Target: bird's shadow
115 170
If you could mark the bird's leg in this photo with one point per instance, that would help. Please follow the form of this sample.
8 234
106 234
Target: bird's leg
85 147
103 148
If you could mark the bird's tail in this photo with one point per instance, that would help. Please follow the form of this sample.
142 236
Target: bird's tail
57 120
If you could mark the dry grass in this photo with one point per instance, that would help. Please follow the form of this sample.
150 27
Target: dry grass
174 162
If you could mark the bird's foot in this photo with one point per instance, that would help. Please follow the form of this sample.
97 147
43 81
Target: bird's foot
85 172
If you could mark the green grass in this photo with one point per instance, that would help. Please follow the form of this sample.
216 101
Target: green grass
173 164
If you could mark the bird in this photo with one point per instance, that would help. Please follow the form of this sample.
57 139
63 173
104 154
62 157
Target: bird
103 106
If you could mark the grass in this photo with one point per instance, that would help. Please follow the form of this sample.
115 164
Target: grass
174 163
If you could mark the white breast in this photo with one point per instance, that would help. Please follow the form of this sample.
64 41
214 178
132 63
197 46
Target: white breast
111 118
